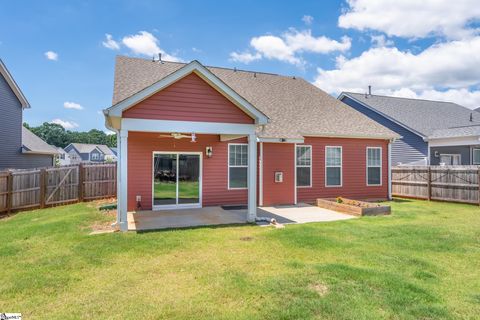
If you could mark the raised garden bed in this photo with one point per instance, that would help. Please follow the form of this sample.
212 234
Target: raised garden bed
354 207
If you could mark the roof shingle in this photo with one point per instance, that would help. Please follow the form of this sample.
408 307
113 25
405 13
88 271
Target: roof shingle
296 108
422 116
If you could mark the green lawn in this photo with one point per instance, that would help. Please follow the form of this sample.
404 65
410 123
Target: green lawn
422 262
165 190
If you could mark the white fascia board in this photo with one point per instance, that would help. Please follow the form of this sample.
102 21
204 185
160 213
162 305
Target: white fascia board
281 140
13 85
454 141
203 72
343 94
144 125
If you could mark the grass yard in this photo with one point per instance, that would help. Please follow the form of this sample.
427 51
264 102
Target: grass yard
422 262
165 190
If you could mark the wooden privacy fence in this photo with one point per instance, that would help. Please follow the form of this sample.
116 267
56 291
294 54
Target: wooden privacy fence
444 183
39 188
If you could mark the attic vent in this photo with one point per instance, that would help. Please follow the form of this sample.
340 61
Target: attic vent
471 117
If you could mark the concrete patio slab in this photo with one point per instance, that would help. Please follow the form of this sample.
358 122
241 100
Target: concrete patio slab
183 218
210 216
300 213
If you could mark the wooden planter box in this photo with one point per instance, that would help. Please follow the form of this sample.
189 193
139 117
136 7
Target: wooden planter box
354 207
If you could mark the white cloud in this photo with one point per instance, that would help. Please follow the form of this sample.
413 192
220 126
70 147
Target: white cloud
381 41
442 71
308 20
65 123
289 45
51 55
145 43
110 43
72 105
245 57
412 18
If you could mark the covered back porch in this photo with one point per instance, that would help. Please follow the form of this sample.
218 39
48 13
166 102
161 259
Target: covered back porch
158 171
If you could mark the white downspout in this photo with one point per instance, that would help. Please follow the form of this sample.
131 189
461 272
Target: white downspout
295 173
260 176
390 170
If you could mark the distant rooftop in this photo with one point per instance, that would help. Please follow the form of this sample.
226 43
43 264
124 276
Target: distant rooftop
422 116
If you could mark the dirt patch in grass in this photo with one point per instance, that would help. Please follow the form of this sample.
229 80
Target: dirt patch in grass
104 225
319 288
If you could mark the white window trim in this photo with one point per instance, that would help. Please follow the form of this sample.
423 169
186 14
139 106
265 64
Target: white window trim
235 166
304 166
200 183
452 155
340 166
380 166
473 156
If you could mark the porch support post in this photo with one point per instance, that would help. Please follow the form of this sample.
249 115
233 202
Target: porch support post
390 170
123 179
252 177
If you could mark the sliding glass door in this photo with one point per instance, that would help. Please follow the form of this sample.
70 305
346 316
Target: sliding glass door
176 180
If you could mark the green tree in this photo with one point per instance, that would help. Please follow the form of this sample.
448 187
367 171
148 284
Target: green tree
57 135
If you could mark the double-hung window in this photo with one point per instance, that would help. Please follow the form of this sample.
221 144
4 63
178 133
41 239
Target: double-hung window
374 166
476 156
333 166
304 166
237 165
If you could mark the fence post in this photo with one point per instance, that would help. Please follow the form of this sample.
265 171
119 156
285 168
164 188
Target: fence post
478 183
80 182
429 183
43 187
10 192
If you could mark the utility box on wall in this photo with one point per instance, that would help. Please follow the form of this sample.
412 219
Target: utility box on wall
278 176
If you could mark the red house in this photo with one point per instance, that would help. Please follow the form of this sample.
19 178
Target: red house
191 136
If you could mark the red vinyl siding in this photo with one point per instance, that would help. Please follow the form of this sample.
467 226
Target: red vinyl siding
278 157
354 175
189 99
140 152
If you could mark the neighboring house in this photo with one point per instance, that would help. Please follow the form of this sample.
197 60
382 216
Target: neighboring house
19 147
192 136
84 152
114 150
433 132
63 157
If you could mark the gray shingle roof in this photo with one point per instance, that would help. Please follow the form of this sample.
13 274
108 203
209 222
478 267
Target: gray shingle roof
88 147
422 116
296 108
33 144
456 132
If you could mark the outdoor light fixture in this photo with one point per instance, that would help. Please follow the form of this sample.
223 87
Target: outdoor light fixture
209 152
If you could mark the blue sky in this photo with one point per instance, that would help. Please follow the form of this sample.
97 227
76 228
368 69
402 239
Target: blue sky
59 54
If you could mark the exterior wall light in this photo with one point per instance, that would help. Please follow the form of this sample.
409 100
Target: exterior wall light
209 152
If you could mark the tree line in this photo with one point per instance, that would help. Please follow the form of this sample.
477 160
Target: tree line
56 135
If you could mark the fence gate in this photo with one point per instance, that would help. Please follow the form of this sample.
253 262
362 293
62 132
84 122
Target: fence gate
61 185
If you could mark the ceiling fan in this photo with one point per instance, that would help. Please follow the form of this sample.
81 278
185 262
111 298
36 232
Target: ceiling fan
178 135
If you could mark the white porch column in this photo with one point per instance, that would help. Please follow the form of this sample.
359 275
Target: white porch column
390 170
123 179
252 177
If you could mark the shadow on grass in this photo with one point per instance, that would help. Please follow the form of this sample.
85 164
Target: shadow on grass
214 226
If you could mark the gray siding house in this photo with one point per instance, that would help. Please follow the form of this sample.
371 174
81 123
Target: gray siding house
19 148
84 152
433 132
